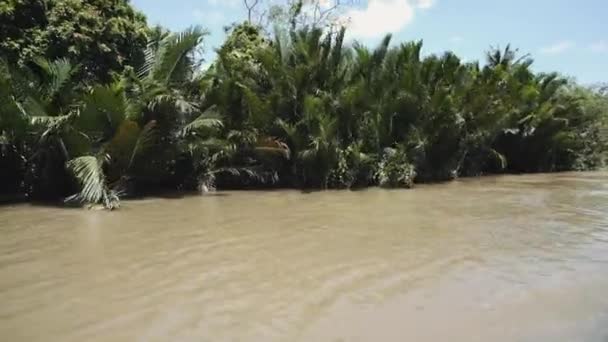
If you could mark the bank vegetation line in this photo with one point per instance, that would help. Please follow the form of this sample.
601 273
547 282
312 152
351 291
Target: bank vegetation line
298 107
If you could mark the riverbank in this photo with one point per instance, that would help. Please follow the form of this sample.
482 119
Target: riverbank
168 194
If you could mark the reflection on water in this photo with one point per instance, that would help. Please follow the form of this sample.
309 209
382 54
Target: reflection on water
513 258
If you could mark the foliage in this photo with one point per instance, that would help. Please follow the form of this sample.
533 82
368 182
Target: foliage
394 170
102 36
299 108
89 172
444 117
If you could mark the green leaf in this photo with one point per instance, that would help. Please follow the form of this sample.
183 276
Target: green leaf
88 171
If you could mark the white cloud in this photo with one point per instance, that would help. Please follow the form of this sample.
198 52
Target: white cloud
379 18
456 39
600 46
557 48
424 4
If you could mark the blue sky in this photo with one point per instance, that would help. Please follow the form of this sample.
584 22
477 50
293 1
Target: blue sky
562 35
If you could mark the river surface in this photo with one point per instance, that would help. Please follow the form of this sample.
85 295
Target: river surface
510 258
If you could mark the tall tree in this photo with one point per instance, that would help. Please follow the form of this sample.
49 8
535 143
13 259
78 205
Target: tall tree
101 36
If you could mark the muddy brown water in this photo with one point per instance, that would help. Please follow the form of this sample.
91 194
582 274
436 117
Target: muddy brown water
510 258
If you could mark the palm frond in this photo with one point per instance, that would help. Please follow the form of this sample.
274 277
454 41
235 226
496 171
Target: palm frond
88 171
173 51
59 73
105 108
213 144
290 132
208 121
309 154
49 121
151 55
145 140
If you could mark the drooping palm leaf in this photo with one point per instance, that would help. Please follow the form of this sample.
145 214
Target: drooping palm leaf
209 121
88 171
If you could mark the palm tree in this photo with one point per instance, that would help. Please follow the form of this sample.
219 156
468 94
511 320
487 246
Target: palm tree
115 142
144 122
127 122
44 99
13 137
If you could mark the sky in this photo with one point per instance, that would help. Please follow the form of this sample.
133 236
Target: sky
567 36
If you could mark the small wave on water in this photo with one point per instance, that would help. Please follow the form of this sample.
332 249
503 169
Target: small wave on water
509 258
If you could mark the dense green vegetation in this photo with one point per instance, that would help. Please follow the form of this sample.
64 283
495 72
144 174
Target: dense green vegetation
101 36
104 115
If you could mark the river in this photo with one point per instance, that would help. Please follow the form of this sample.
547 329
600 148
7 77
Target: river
508 258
